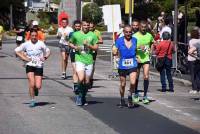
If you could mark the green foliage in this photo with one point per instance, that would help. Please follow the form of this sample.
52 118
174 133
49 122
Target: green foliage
92 12
147 10
44 19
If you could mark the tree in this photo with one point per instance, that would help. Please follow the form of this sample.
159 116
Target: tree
92 12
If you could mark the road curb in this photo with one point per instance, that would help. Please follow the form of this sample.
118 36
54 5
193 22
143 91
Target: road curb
185 82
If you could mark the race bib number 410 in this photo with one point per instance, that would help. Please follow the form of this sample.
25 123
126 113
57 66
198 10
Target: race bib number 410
127 62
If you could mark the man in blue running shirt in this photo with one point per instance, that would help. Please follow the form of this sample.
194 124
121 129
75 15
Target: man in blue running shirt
125 48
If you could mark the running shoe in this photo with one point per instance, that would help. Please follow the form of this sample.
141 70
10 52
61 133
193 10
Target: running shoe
130 102
145 100
192 91
36 91
32 103
63 76
122 103
136 99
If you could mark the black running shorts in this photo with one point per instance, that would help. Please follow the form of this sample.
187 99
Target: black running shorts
37 71
125 72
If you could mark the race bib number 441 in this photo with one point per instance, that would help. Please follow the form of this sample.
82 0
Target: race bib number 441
35 62
127 62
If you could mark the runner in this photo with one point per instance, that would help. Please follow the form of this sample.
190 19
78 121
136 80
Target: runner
20 31
100 41
36 54
125 47
40 35
144 42
63 34
77 27
135 25
84 42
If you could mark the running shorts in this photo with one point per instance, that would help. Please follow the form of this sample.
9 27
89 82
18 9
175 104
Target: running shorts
36 71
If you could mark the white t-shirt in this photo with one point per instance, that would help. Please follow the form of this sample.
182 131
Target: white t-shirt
165 29
64 32
35 51
192 44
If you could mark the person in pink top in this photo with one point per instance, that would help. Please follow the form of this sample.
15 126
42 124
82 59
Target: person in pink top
166 47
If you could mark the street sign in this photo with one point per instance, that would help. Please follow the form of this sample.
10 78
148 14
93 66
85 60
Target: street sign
112 17
127 6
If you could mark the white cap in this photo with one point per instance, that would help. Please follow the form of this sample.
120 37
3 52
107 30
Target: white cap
35 23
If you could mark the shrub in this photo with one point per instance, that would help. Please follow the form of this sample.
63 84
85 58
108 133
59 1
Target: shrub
92 12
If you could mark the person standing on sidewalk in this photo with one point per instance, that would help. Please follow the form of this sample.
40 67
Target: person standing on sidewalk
191 58
63 34
76 27
100 41
36 54
194 51
144 42
165 49
125 48
84 42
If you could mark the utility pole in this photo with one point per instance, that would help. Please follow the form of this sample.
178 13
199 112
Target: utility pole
130 12
11 16
78 11
175 31
186 21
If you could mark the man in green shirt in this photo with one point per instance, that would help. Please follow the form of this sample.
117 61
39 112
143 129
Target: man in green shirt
84 42
144 42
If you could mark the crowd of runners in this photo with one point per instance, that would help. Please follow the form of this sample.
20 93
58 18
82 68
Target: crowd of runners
134 45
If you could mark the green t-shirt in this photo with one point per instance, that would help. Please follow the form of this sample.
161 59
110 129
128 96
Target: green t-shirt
97 33
84 55
143 40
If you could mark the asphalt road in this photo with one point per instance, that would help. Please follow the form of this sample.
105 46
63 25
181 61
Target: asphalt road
56 113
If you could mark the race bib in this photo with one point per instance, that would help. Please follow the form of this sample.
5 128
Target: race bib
35 62
19 38
127 62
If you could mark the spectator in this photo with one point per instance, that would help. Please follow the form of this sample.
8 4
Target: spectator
165 28
165 50
194 61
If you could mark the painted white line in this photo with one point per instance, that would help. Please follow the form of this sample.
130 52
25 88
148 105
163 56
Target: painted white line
105 49
177 110
187 114
169 106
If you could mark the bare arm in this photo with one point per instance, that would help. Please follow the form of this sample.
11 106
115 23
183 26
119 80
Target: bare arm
22 56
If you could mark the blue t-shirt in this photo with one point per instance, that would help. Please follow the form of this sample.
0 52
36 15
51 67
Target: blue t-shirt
127 59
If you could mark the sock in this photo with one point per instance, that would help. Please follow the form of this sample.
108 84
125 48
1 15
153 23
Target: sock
136 87
146 86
